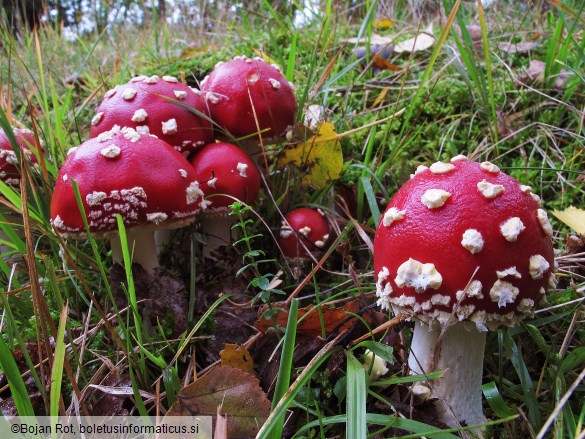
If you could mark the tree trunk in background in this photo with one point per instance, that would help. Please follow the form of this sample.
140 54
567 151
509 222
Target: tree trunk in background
162 10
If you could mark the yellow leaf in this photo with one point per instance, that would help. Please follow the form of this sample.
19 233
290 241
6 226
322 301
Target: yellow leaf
572 217
236 356
264 56
380 97
383 23
319 157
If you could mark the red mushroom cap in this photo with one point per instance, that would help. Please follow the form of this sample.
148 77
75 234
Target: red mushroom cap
161 106
122 172
242 90
467 240
223 168
9 168
305 225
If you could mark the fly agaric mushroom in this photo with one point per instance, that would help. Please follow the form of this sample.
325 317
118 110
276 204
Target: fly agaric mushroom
10 169
303 231
140 177
172 111
248 95
225 172
464 248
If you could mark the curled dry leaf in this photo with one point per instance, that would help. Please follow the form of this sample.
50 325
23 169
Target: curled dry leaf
333 318
238 393
417 43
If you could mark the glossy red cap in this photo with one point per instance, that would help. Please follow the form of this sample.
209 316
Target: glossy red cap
243 89
9 167
140 177
223 168
170 110
464 241
305 225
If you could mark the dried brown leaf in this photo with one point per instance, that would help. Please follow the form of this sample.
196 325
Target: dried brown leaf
238 393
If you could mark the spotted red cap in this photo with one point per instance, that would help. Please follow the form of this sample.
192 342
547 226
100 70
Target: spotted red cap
305 225
245 89
223 168
464 239
9 168
165 107
140 177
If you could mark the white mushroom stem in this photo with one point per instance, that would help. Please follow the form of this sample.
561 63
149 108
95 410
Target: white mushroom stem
459 352
141 246
217 229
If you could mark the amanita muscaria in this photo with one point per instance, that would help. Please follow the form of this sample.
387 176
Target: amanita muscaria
303 231
226 174
463 248
140 177
9 165
10 169
165 107
247 95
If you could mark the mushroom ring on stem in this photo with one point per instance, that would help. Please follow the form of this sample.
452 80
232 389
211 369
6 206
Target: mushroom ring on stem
140 177
172 111
464 248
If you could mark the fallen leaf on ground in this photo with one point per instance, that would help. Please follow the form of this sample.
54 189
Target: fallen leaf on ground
242 401
332 318
535 75
319 157
374 39
237 356
384 23
418 43
572 217
521 47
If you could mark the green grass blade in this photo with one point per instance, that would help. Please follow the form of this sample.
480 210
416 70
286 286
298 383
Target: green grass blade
57 370
17 388
355 428
285 367
495 400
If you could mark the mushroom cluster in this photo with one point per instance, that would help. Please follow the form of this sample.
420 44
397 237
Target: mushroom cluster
463 248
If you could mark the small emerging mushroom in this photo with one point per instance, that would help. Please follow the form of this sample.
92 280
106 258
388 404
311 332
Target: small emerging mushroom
303 232
165 107
248 95
140 177
463 248
225 173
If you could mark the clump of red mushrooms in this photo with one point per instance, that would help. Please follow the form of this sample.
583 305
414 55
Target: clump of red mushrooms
226 174
140 177
463 248
303 232
248 95
165 107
